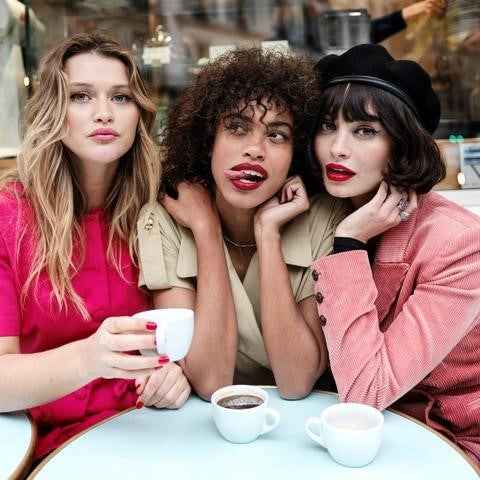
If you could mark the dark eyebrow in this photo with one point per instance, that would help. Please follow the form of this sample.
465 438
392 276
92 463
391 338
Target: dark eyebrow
279 123
246 118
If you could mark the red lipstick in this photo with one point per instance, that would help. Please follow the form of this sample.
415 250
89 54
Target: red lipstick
246 176
103 134
338 173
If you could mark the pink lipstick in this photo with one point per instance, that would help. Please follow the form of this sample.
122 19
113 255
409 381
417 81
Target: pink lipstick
103 134
338 173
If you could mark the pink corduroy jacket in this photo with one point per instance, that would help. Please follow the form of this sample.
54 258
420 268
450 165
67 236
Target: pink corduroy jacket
406 329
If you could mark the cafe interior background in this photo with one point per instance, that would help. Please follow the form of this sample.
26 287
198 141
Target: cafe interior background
172 39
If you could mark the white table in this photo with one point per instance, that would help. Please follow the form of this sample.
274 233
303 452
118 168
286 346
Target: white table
184 445
17 440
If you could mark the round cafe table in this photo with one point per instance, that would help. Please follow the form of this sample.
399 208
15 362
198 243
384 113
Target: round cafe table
17 440
185 445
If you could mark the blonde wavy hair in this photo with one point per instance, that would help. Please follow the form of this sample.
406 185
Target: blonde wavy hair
50 183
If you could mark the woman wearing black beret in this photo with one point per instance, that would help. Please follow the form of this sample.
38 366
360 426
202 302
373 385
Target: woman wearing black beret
399 299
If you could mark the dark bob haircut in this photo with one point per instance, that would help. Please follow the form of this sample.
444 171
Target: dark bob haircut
269 78
415 159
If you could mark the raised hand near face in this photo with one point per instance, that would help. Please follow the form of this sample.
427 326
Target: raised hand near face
385 210
194 207
291 201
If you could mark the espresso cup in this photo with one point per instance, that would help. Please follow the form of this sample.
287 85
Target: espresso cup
241 414
174 331
351 432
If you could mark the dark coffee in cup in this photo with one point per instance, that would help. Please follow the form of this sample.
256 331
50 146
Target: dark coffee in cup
240 402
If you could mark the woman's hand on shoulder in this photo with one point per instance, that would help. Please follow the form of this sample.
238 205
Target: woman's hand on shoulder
194 208
168 387
291 201
112 351
381 213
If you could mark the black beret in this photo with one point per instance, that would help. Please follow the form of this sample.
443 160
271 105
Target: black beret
372 65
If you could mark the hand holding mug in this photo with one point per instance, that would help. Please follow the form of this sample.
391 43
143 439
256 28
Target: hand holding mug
107 351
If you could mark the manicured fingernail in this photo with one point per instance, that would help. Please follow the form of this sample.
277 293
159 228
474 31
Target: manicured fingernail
139 405
163 359
151 326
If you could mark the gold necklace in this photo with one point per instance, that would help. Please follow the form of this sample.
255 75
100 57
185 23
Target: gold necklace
240 245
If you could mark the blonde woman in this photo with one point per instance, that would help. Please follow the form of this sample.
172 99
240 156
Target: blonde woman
67 247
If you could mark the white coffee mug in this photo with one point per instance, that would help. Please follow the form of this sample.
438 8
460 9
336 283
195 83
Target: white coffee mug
351 432
247 423
174 331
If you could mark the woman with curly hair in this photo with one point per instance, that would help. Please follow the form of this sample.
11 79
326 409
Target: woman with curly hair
234 235
67 246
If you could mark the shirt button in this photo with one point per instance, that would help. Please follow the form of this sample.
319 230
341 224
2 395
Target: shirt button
319 297
315 275
322 320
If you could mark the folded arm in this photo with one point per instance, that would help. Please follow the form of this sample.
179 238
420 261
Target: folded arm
378 367
210 363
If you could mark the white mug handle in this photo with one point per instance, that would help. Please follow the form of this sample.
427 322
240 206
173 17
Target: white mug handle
272 417
316 438
161 337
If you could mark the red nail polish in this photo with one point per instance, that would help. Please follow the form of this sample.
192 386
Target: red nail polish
151 326
163 360
139 405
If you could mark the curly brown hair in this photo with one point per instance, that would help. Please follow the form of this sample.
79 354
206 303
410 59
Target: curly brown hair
241 77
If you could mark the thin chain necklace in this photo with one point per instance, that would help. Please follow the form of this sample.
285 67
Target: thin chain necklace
240 245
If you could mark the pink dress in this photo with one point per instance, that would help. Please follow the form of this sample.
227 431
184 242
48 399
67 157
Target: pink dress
41 326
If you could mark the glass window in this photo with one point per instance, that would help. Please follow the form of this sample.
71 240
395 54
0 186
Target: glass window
171 39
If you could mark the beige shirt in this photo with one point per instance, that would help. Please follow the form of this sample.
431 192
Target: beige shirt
168 259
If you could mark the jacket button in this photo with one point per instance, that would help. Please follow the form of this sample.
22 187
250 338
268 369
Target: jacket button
319 297
315 275
322 320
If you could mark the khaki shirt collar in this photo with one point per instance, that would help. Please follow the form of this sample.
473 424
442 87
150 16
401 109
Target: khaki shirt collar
295 243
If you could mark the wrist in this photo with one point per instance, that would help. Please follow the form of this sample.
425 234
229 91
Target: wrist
83 360
206 225
345 233
207 232
267 235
